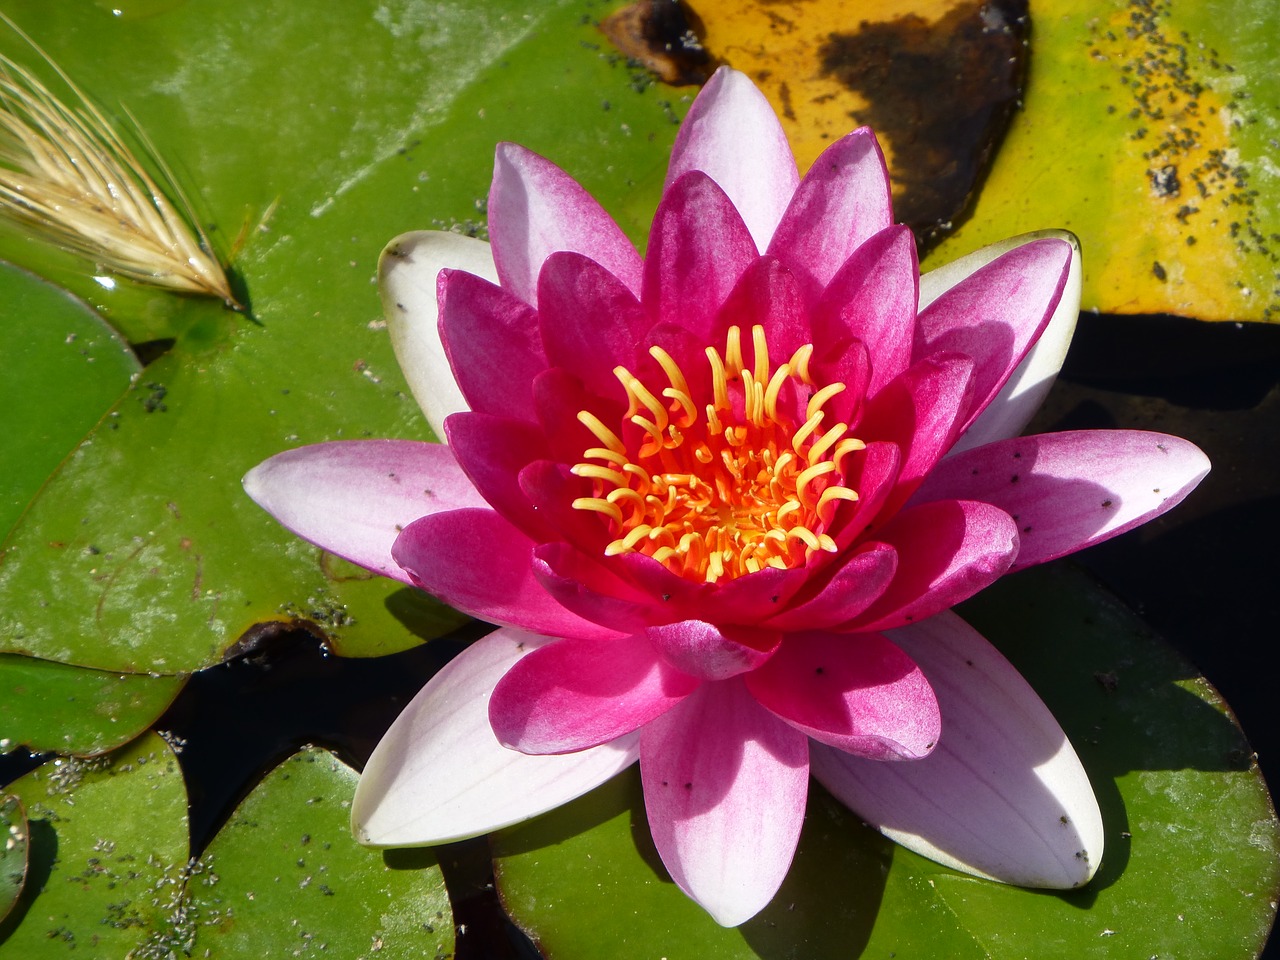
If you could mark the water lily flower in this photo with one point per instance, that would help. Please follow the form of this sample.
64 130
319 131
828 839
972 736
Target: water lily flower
720 500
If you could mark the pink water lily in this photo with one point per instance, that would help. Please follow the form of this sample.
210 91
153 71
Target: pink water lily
720 500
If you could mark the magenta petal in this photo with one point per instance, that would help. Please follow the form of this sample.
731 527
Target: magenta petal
353 497
477 562
439 774
768 295
1002 796
1070 490
492 451
948 550
586 586
535 209
855 585
872 298
842 201
921 410
491 339
708 652
732 134
590 322
698 248
997 312
725 784
856 692
575 694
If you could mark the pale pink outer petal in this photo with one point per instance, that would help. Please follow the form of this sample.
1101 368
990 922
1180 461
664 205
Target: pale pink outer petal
1021 396
439 774
725 785
1070 490
407 272
1003 795
732 135
535 209
580 693
857 692
352 497
997 313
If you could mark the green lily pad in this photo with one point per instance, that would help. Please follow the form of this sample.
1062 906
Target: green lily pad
285 878
63 370
55 707
182 563
13 852
1193 846
1148 130
108 852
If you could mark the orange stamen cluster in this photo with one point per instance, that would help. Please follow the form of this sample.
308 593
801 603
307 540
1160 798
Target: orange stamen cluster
729 487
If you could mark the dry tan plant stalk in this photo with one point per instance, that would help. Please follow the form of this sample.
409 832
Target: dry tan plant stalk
68 176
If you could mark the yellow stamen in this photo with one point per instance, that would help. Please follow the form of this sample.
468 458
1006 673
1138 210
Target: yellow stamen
725 485
819 399
599 505
762 353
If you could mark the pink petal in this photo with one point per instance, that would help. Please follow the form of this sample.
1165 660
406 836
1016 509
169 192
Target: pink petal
353 497
698 248
725 784
746 600
854 586
535 209
920 410
842 201
590 322
576 694
1022 395
551 489
439 774
1067 491
872 298
768 295
492 451
732 134
997 312
708 652
491 339
475 561
407 272
586 585
856 692
873 473
948 550
1002 796
558 398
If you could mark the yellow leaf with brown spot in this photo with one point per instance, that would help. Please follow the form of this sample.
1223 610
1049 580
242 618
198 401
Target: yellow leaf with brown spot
1151 131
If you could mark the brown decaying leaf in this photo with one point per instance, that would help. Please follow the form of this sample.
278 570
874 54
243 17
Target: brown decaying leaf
939 80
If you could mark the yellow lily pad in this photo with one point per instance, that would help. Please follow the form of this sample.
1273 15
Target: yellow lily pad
1149 131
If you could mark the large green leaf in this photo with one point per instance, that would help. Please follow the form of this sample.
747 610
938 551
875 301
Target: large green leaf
55 707
356 121
63 369
1193 846
13 852
285 875
108 854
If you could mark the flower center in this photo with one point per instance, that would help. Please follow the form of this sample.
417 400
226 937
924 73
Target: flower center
725 488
